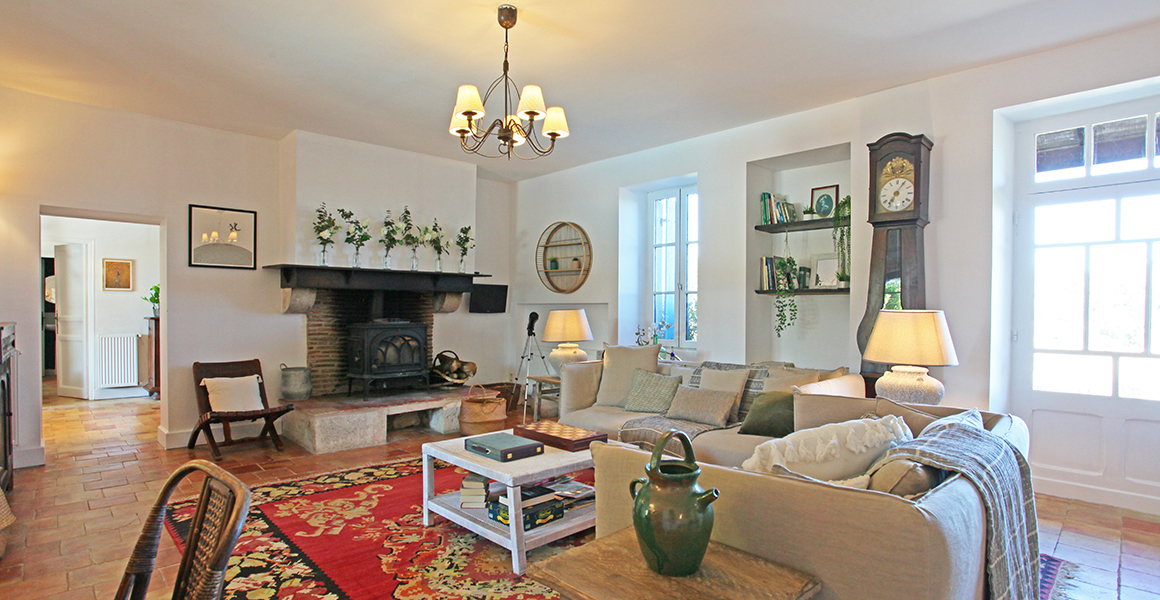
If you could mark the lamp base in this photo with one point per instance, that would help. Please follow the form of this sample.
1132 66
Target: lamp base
564 354
911 385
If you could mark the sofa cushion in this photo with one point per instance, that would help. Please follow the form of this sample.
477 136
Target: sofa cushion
651 392
815 410
700 405
620 364
685 373
771 415
725 447
605 419
851 385
970 418
727 381
831 452
906 478
916 419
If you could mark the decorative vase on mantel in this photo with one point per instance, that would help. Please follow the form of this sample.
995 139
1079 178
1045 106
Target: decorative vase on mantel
323 258
462 263
439 263
356 262
387 258
414 259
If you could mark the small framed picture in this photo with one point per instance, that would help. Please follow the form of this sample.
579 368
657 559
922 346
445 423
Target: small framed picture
825 271
224 238
118 275
824 199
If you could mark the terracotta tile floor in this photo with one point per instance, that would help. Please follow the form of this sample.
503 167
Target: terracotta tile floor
80 514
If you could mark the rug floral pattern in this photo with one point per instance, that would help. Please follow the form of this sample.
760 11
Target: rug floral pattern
359 535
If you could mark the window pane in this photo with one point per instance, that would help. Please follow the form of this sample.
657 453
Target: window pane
1120 146
664 311
664 269
1059 155
1156 150
1155 299
1138 378
1140 218
1059 298
665 220
694 218
1072 374
691 267
1077 222
691 318
1116 297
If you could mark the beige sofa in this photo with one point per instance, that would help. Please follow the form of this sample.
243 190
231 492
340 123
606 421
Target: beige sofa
862 544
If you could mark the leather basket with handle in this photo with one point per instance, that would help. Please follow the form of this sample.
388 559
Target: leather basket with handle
481 412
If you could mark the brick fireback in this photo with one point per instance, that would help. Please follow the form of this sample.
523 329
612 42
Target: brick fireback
335 310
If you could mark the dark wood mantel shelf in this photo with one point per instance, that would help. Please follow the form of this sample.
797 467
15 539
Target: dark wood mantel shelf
346 278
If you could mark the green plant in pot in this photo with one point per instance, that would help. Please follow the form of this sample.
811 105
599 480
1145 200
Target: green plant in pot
154 298
784 301
841 236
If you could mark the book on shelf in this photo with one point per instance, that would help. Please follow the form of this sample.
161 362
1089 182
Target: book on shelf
531 496
474 491
474 480
534 516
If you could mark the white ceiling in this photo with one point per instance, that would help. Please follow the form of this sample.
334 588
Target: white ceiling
631 74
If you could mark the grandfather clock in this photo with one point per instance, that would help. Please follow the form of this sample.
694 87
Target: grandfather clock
899 209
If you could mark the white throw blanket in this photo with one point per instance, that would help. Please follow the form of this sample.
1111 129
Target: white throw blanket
1003 479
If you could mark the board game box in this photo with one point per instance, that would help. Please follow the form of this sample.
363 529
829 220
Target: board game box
534 516
558 435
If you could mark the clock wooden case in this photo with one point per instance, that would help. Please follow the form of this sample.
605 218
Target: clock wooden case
899 210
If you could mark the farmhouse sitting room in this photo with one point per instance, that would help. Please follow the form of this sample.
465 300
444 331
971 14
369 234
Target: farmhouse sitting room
835 300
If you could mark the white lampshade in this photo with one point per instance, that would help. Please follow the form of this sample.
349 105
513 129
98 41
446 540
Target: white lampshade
513 122
911 337
458 126
555 125
567 326
468 101
531 103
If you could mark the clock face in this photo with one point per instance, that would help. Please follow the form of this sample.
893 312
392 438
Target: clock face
897 194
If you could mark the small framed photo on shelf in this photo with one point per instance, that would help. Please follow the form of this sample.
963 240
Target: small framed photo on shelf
118 275
824 199
825 271
222 237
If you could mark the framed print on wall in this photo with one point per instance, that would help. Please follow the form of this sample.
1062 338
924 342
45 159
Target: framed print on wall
222 237
825 271
118 275
823 199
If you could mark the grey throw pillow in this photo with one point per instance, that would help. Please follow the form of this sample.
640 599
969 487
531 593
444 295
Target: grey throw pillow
710 407
651 392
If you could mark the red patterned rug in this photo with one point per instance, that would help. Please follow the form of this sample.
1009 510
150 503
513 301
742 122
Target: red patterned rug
359 535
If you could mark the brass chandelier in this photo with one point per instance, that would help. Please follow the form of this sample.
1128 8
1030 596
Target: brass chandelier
516 128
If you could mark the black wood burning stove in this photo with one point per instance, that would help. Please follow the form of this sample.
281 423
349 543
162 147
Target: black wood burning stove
7 399
386 351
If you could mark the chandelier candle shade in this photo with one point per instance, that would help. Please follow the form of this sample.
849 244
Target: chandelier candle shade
567 327
516 127
911 337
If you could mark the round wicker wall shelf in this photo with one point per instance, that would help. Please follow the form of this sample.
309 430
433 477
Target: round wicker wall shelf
563 257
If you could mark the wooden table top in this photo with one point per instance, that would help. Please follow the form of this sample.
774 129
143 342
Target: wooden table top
612 568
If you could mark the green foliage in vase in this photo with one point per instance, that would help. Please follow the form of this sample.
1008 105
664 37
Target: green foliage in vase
412 237
391 233
463 241
325 226
841 235
436 241
154 296
357 230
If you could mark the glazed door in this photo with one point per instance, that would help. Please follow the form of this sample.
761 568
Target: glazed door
72 341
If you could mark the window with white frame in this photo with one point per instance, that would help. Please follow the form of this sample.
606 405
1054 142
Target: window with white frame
1093 255
674 225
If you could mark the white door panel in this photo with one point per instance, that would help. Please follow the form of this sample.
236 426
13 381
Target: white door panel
72 287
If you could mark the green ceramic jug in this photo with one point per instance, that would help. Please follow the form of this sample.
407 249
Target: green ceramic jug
671 513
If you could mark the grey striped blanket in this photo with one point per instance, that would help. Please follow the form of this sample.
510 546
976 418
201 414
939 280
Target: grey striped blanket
1003 479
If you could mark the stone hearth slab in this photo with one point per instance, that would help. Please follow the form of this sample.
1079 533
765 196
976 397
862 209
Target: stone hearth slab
333 423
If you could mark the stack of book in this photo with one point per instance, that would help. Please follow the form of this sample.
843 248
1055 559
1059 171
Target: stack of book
775 209
571 492
473 491
540 506
771 279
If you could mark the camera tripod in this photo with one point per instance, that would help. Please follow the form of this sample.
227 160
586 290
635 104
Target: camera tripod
531 350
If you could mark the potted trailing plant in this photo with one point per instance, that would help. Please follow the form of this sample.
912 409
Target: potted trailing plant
154 298
784 301
441 247
841 236
357 233
324 229
464 242
390 235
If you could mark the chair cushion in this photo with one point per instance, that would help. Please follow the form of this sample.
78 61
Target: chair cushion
620 364
710 407
234 394
651 392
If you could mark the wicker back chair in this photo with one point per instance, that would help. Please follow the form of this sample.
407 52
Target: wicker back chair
209 416
221 513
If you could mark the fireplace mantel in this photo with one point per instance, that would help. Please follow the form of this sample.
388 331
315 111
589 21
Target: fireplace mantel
300 281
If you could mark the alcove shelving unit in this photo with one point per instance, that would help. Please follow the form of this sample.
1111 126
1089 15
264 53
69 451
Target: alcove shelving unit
796 226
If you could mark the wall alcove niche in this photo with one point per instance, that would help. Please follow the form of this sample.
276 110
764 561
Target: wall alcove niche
563 257
821 336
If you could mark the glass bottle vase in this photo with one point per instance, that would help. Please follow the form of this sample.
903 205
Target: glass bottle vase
462 264
387 258
439 263
323 259
356 262
414 259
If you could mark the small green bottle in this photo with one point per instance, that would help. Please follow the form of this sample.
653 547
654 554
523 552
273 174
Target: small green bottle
553 264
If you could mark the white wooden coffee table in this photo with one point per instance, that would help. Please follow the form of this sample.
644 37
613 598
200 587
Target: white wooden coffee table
513 475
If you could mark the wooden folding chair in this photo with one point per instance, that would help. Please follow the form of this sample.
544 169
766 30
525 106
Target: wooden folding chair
209 416
221 513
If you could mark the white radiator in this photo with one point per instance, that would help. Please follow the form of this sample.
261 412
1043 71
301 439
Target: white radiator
117 355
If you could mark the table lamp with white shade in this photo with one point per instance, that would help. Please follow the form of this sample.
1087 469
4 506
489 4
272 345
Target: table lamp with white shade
567 327
911 340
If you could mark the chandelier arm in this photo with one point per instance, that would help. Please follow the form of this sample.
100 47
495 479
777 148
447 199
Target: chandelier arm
480 138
